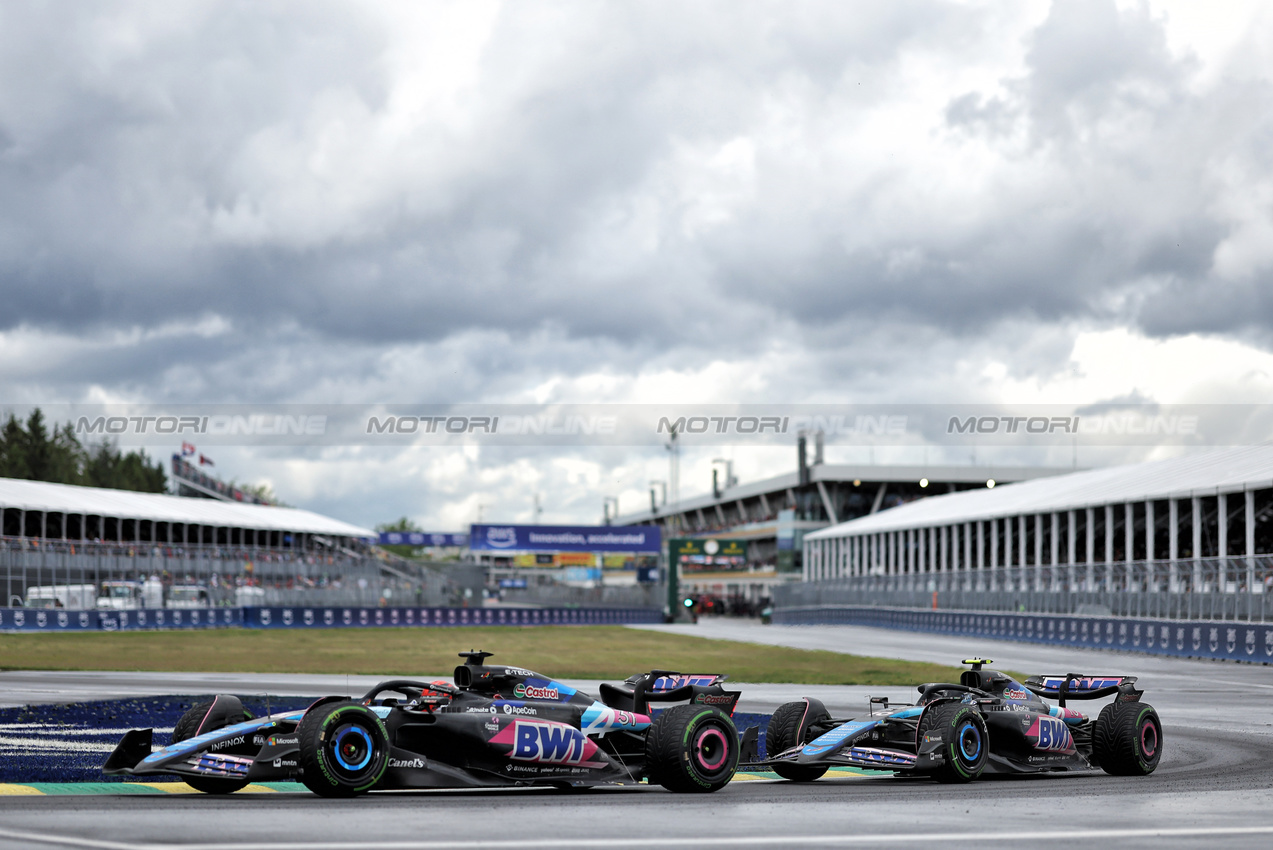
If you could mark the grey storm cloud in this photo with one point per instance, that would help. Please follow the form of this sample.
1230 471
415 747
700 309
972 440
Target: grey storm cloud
615 177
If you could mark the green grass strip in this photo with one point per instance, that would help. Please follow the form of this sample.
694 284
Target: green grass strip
563 652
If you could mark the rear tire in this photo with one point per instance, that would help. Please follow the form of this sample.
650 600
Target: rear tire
344 749
789 727
965 744
1127 740
191 724
691 748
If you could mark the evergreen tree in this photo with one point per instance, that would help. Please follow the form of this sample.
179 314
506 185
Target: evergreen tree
33 453
13 459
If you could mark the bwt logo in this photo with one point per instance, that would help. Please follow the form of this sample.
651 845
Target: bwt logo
1129 423
256 424
547 743
1051 735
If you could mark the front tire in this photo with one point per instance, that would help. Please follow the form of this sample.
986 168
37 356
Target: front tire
344 749
1127 740
964 741
789 727
207 717
691 748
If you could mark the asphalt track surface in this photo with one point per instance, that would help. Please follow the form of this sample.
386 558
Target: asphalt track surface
1214 787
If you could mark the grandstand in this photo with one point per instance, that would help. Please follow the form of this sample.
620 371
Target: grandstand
775 514
61 535
1187 537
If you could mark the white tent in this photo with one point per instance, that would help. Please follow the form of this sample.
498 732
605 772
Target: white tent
1208 474
157 507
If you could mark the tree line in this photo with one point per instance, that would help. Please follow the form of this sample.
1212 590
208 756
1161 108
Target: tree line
36 451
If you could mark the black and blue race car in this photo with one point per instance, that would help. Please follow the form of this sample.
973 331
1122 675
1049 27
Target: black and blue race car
495 726
987 723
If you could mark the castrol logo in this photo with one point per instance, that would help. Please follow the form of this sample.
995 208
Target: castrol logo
534 692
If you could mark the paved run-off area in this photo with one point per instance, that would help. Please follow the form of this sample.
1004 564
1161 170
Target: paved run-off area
1214 788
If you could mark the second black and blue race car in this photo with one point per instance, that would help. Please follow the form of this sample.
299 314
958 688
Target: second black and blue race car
987 723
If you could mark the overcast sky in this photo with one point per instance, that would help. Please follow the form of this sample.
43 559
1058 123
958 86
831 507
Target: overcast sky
892 202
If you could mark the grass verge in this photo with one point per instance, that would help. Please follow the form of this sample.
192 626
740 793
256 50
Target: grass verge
569 652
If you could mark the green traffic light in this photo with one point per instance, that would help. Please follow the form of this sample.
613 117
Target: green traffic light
689 603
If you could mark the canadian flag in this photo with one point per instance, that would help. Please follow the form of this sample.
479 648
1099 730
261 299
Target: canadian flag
187 449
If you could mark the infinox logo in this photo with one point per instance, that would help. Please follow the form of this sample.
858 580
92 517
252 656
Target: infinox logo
545 742
524 691
229 742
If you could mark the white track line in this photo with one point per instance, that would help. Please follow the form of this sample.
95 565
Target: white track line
698 841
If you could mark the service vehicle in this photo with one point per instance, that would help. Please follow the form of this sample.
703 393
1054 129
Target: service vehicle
117 595
188 596
70 596
988 723
495 726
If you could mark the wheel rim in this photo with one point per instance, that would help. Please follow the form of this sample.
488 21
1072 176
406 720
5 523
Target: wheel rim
1149 739
711 750
352 747
970 742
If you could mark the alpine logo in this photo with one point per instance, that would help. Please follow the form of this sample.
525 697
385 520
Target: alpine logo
417 763
545 742
1050 734
522 691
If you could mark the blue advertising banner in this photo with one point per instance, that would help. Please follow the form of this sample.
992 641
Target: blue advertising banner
21 619
1229 640
565 538
300 616
423 538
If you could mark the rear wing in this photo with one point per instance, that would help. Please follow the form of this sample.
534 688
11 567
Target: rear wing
637 692
671 681
1078 686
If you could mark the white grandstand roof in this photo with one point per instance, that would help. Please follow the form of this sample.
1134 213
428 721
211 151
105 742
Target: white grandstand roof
96 501
1208 474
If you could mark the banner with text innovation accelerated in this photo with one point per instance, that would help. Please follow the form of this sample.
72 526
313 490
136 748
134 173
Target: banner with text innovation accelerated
565 538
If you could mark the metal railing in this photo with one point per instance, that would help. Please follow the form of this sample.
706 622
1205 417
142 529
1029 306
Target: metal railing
638 596
283 576
1233 588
